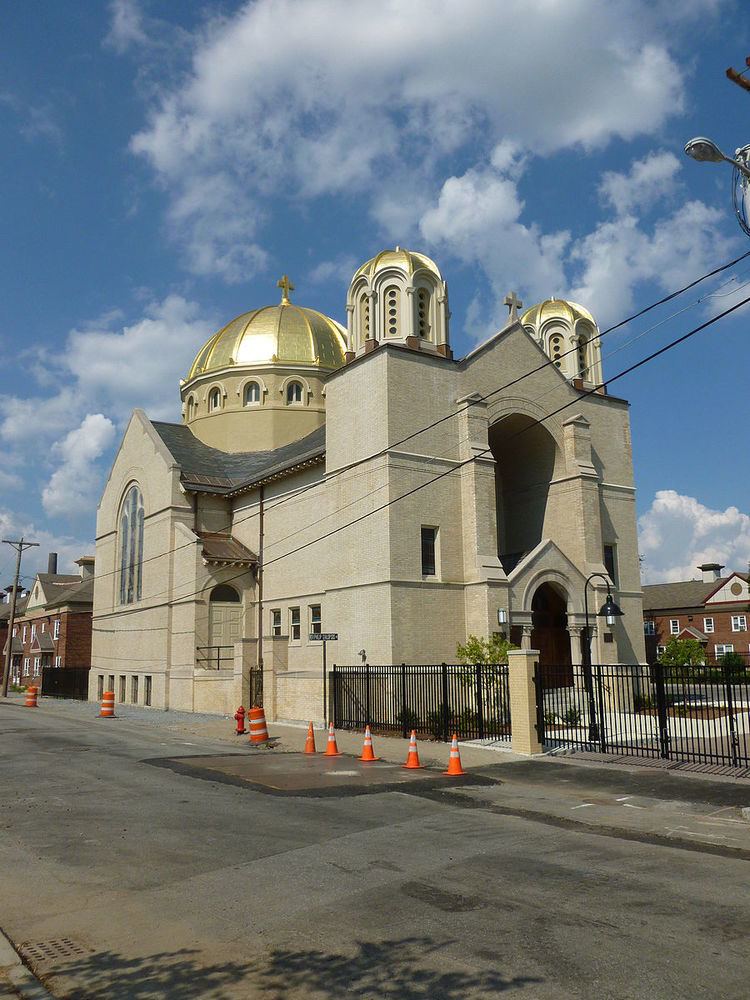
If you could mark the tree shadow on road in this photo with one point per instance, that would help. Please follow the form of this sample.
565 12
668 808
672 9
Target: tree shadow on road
409 969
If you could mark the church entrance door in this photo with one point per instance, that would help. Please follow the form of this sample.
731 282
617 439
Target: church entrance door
549 621
224 617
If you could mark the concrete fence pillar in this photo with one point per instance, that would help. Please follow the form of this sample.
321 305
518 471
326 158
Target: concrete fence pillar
523 715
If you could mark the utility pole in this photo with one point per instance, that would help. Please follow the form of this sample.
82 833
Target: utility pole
19 546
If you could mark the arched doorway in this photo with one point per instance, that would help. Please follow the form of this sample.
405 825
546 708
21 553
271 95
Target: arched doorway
224 616
525 456
549 624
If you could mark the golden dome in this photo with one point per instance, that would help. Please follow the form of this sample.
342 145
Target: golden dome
406 260
281 334
564 309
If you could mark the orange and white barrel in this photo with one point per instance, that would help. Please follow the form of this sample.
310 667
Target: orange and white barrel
258 729
30 701
108 705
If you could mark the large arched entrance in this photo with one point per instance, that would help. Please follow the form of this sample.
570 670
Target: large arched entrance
549 634
525 455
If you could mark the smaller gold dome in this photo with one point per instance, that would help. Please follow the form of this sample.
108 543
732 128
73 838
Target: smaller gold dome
564 309
406 260
281 334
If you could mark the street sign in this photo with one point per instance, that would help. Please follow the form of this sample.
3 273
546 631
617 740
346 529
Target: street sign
323 636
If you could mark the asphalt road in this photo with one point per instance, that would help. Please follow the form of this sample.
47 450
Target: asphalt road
123 880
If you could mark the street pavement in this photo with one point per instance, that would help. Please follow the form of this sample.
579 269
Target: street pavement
158 856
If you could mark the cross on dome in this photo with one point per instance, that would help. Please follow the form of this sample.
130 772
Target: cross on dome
513 303
286 287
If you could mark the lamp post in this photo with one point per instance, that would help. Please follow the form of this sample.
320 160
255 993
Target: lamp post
706 151
609 611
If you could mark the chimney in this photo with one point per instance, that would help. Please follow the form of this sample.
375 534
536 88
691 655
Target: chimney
87 566
711 572
52 563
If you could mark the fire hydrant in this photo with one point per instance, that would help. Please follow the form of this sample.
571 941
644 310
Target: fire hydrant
240 717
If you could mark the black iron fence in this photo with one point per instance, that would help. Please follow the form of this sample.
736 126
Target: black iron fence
214 657
256 688
696 714
66 682
436 700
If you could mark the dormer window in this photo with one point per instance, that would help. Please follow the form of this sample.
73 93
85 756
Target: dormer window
294 393
251 394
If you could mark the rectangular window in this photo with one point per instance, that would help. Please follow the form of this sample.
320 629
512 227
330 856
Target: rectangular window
123 680
44 626
739 623
100 687
111 683
316 619
147 690
660 650
294 624
429 536
674 626
26 664
276 621
33 632
15 630
649 628
56 629
708 625
37 666
134 690
610 563
58 661
23 634
723 647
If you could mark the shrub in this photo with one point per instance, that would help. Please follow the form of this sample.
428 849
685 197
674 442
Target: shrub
572 716
642 702
550 718
477 650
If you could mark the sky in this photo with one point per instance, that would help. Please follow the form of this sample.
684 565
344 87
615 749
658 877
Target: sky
163 164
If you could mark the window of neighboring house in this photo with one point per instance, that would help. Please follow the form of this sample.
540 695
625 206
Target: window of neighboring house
276 621
44 626
610 563
15 631
251 394
429 537
37 665
294 624
23 634
674 626
660 650
649 628
316 620
723 647
58 661
147 685
123 692
294 392
708 625
739 623
56 629
26 664
33 632
134 690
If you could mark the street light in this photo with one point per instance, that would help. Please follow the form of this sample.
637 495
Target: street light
706 151
609 611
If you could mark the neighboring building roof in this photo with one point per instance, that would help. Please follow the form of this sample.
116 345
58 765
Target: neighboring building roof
693 633
690 594
21 603
80 592
224 550
209 470
43 643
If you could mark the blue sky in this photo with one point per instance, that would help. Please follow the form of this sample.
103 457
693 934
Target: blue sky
164 163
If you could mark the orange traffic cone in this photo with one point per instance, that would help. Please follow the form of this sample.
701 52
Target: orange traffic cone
310 741
30 701
108 705
367 752
412 758
454 760
332 750
258 728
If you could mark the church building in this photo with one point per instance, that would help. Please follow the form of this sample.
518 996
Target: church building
365 482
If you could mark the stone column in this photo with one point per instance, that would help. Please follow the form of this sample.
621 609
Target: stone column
576 644
523 714
526 637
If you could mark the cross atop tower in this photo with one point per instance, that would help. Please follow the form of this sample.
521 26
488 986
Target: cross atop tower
286 287
513 303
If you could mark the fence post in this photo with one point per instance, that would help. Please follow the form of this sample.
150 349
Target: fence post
733 740
368 720
661 710
404 733
446 710
335 681
480 704
523 708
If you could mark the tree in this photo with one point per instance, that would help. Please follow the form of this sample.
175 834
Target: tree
478 650
683 652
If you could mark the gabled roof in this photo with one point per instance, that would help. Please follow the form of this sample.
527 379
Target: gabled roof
718 584
80 592
209 470
689 594
224 550
693 633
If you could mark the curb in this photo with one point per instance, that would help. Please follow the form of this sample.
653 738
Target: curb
21 978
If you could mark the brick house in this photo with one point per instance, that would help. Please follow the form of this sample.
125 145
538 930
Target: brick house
53 623
714 610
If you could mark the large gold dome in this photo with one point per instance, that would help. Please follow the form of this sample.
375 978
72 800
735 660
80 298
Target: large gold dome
406 260
281 334
556 309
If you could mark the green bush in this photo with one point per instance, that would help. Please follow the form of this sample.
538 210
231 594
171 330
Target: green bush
733 660
408 719
550 718
642 702
572 716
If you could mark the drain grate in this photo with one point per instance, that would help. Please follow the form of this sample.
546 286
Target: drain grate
54 950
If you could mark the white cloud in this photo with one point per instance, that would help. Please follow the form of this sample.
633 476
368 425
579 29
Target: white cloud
338 103
127 26
678 533
76 482
68 547
647 181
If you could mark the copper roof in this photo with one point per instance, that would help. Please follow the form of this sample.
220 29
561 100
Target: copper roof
224 550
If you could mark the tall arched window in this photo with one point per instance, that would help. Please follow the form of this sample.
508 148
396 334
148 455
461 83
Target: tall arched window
294 392
364 317
423 313
391 304
252 394
190 408
214 399
582 366
131 546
